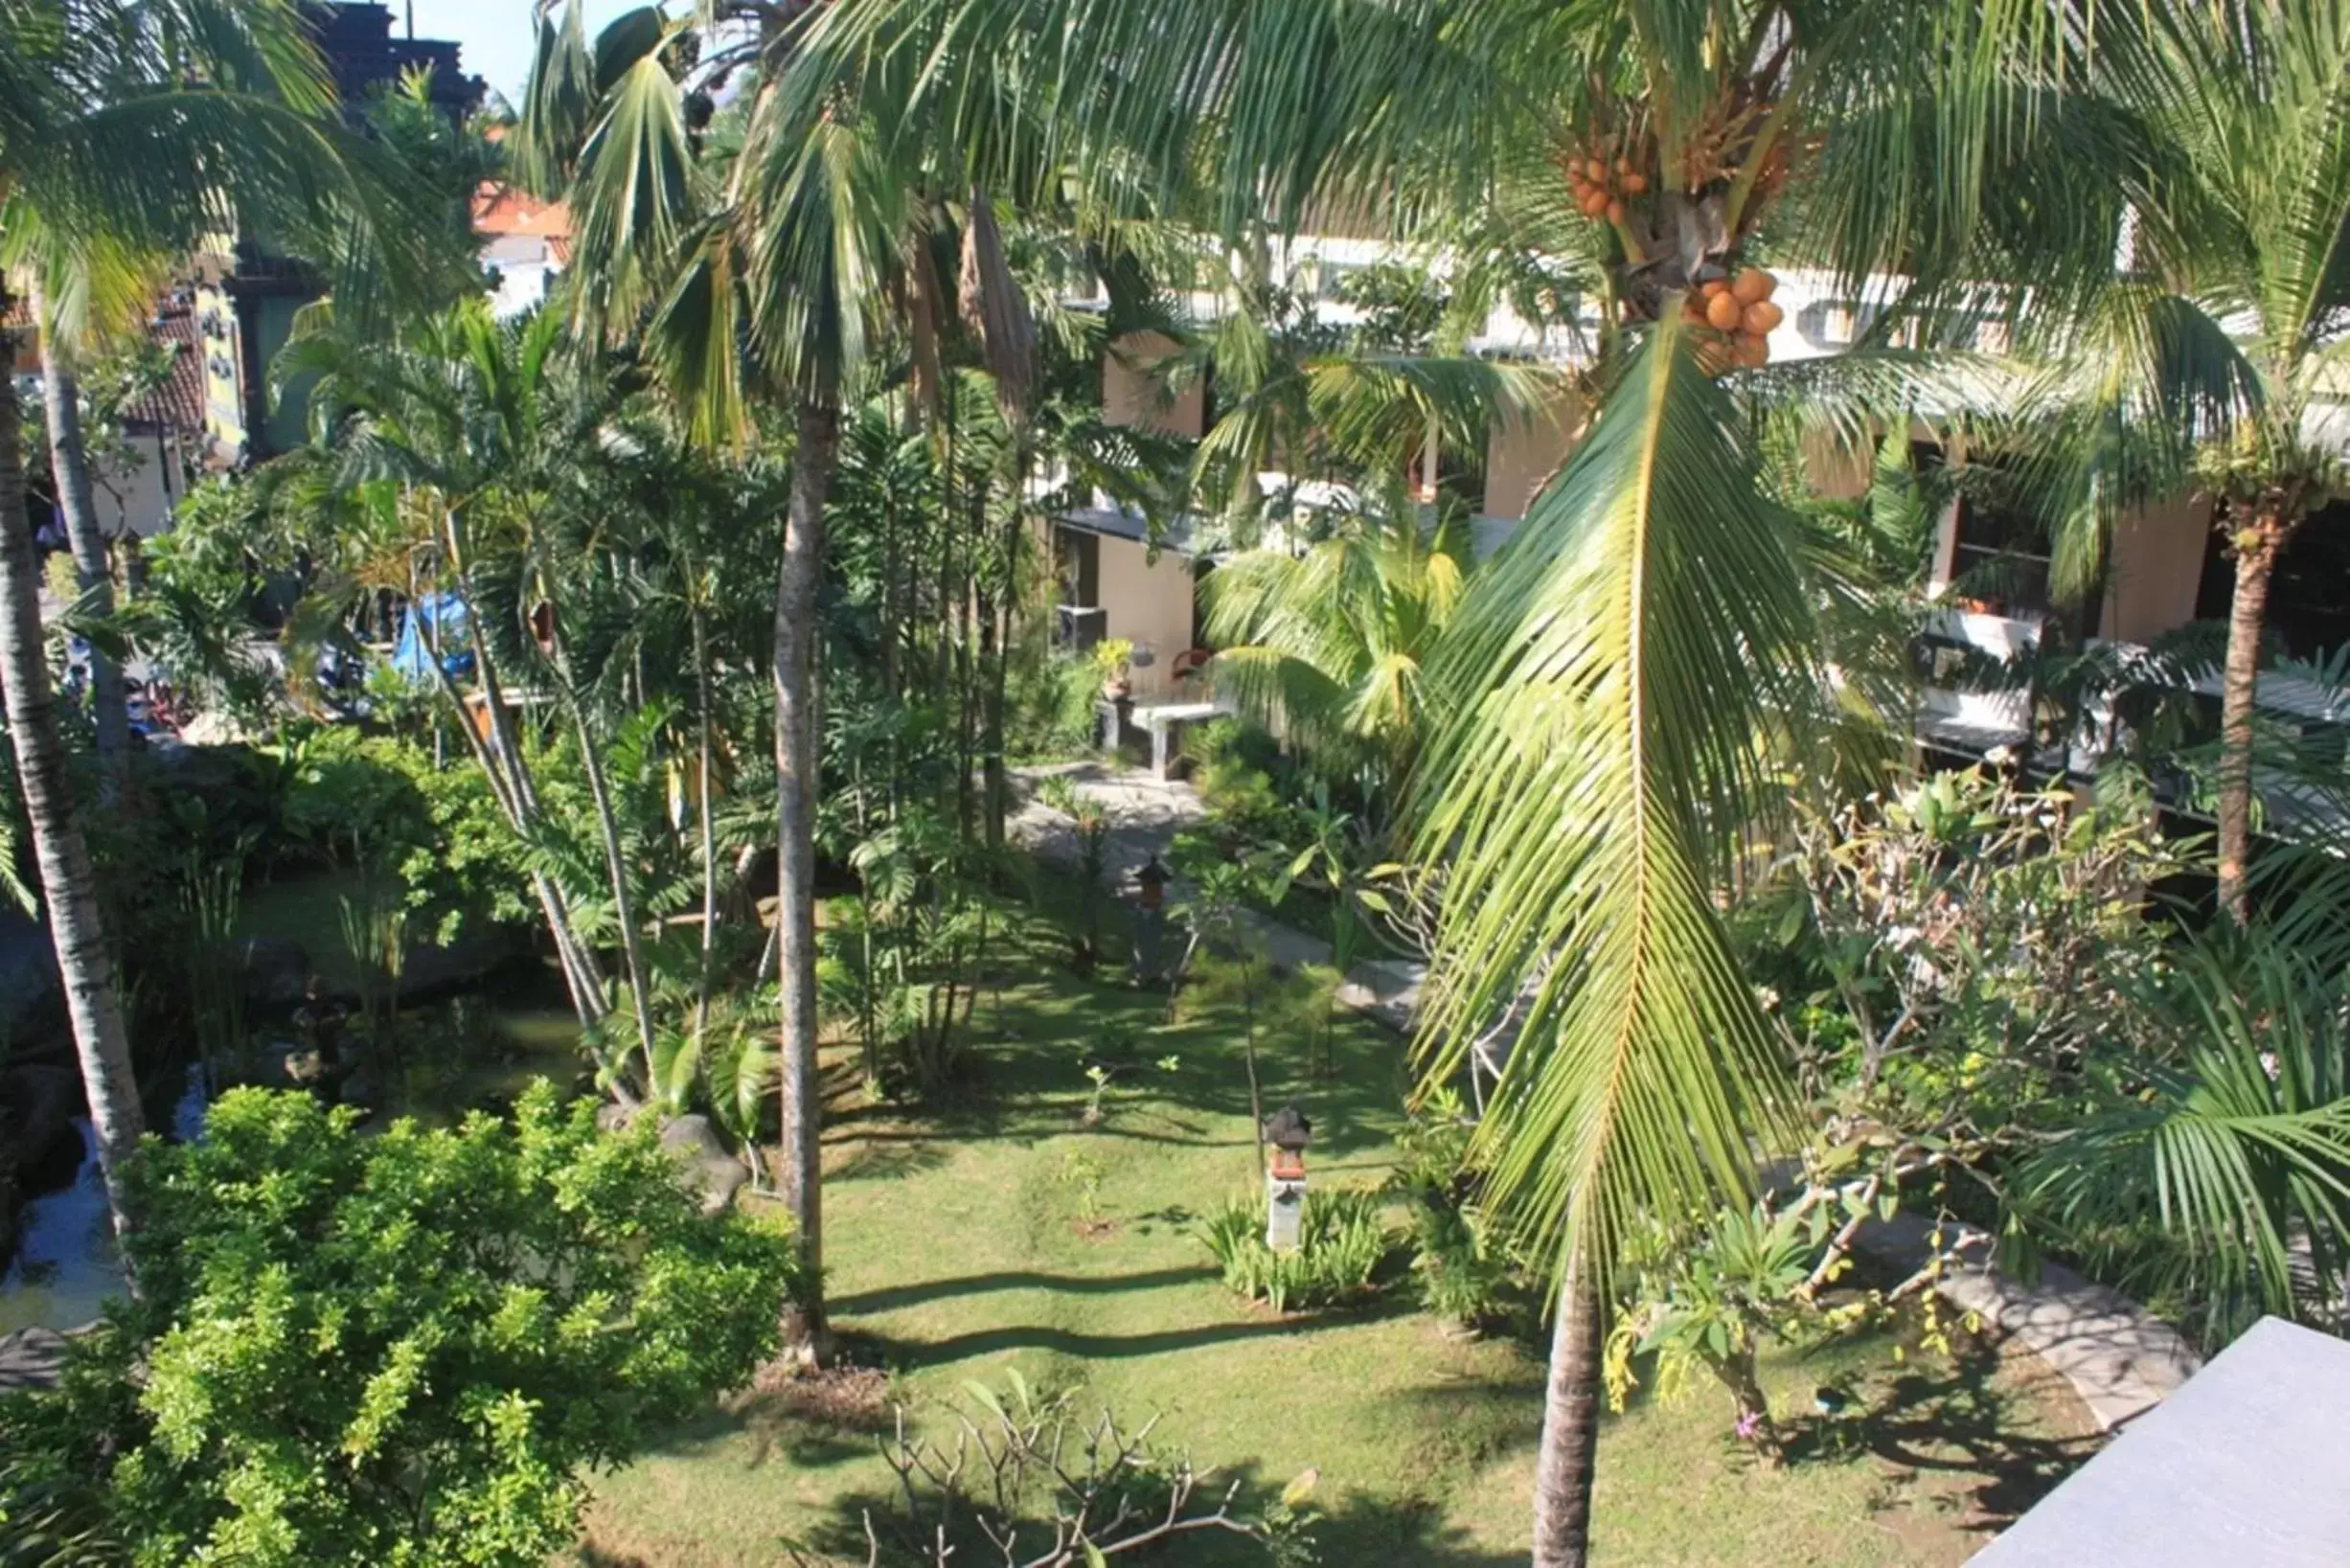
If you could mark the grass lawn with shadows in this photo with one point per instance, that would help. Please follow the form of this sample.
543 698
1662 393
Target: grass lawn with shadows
958 1248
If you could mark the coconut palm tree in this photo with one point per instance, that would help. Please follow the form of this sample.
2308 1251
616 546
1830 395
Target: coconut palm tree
137 129
2213 361
1921 150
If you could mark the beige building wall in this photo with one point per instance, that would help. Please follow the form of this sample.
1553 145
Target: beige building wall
1522 454
1149 603
1132 394
2156 567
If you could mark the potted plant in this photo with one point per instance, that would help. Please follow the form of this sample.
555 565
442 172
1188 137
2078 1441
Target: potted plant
1113 657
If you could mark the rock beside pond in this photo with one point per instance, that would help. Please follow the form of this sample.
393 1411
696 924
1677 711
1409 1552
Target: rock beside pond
31 1359
709 1167
42 1104
276 971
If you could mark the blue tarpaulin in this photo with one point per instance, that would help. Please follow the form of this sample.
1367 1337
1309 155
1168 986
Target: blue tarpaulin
433 619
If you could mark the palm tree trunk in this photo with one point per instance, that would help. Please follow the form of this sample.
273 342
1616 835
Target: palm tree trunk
2256 548
616 867
707 828
69 459
1564 1465
581 976
68 887
797 758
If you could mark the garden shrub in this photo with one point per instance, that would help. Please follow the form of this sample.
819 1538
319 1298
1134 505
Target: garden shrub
1464 1272
1341 1241
380 804
396 1349
1234 775
1049 702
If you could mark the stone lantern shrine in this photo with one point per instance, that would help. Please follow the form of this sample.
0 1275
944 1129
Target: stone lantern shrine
1150 921
1287 1131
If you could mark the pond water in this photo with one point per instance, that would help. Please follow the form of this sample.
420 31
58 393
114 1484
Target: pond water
66 1269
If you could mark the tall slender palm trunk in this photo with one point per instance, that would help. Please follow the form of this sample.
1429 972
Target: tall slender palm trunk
68 887
1568 1457
616 869
798 753
69 459
2257 547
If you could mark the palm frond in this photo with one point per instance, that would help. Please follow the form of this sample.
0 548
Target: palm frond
1609 680
2236 1155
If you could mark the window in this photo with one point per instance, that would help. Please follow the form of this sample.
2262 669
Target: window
2000 559
1076 566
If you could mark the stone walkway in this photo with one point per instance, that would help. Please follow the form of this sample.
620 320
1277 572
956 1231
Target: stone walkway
1145 813
2118 1358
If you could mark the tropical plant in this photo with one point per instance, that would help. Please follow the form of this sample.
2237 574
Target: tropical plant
1708 1296
754 262
1342 1239
1972 161
1330 647
2207 365
474 432
133 129
402 1348
2216 1166
1966 943
1464 1268
1608 682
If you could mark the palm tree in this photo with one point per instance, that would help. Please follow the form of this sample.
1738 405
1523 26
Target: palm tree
138 128
69 463
1605 688
474 430
2232 1156
1331 645
2213 362
753 261
1656 140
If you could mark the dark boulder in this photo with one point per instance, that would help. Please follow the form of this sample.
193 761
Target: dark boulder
276 971
42 1104
704 1161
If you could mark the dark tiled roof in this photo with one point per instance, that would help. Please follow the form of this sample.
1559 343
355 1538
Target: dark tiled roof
178 403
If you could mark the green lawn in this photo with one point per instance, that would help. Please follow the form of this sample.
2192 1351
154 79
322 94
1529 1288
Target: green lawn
955 1252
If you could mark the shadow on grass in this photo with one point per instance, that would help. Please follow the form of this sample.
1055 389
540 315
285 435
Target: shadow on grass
1357 1531
1400 1533
1960 1423
878 1159
892 1299
1123 1347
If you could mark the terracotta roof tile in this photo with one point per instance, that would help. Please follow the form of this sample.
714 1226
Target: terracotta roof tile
178 403
500 209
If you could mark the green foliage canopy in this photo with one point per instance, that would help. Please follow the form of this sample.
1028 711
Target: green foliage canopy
400 1348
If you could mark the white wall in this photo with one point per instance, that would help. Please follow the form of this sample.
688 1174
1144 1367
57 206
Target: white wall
137 489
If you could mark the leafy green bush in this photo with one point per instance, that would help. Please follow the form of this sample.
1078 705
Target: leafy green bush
379 802
394 1349
1465 1274
1049 702
1342 1239
1235 780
